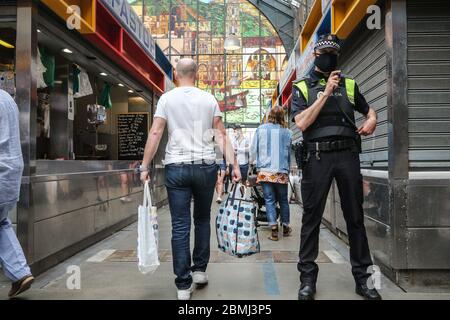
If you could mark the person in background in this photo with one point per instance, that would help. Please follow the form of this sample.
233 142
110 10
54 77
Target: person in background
227 178
242 148
271 147
193 119
126 182
221 174
12 258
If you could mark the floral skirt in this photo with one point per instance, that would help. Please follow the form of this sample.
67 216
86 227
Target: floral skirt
273 177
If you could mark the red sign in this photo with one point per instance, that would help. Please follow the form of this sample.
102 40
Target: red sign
115 42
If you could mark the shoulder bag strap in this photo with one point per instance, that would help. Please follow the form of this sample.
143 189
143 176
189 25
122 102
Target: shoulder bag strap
345 114
357 135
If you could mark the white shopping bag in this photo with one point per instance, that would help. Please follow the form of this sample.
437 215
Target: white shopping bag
147 235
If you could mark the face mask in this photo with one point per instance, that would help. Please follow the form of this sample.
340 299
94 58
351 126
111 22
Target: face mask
326 62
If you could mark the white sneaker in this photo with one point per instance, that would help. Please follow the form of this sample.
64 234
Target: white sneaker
200 278
219 200
126 199
185 294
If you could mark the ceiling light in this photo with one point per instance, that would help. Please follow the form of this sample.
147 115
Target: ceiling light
295 3
121 85
234 81
239 103
6 44
130 91
67 50
232 42
103 74
39 31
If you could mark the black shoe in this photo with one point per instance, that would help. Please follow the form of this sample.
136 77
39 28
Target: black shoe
274 235
20 286
306 292
368 294
287 231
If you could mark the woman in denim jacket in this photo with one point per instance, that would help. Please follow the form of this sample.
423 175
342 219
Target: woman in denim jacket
271 147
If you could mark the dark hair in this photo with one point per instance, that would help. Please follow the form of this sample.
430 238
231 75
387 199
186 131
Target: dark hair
276 116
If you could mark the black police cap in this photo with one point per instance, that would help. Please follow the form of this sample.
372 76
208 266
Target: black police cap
328 41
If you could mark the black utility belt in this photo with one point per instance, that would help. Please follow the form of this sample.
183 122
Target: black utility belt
337 145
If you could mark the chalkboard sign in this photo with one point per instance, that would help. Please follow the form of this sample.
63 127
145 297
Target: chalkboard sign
132 131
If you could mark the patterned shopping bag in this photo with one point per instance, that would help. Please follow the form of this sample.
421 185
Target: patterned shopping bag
236 229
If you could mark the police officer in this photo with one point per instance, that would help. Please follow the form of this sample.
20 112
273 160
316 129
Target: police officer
323 106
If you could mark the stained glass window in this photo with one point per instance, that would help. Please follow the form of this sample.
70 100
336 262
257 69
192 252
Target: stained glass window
198 28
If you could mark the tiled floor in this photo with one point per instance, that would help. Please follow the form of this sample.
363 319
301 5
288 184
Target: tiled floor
108 270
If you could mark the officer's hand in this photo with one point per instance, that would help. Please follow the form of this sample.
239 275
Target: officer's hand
332 83
145 177
368 127
236 174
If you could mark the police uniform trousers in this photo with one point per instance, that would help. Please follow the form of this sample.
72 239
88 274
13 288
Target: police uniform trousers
318 174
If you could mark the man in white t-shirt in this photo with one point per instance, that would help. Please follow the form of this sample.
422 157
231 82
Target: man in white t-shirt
194 121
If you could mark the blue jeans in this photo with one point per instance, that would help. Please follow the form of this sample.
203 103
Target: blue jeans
184 181
243 168
273 193
12 258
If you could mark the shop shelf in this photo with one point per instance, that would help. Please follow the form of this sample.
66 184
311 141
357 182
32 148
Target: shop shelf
346 15
87 12
311 23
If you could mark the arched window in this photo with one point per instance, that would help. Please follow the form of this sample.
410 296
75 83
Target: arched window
198 28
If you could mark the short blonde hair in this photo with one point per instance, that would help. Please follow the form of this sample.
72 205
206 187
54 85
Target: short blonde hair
186 68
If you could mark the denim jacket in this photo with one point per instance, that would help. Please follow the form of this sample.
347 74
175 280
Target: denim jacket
271 147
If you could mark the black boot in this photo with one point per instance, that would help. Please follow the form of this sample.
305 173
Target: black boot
307 292
368 294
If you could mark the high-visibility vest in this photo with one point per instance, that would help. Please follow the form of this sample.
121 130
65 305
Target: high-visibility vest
331 121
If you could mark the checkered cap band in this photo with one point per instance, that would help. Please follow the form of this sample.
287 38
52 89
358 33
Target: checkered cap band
327 44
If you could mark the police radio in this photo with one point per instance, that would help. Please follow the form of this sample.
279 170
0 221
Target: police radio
300 153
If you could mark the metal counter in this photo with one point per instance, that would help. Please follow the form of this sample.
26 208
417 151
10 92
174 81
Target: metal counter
70 205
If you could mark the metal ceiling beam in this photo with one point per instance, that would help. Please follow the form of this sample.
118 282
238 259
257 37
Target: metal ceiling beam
281 15
275 5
